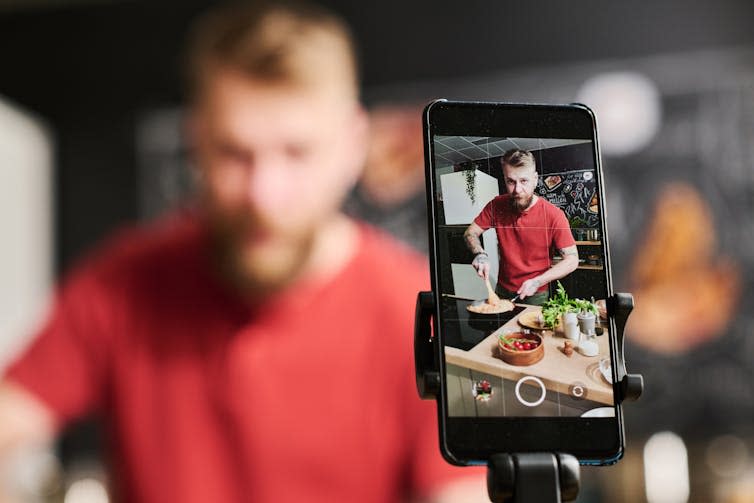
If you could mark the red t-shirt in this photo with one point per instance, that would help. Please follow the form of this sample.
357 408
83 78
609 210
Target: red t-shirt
310 397
525 240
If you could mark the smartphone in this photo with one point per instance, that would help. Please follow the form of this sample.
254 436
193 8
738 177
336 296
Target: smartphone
519 187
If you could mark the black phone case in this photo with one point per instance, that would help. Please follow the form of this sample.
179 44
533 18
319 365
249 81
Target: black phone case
487 436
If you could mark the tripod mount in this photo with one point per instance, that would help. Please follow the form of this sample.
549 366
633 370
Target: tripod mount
527 477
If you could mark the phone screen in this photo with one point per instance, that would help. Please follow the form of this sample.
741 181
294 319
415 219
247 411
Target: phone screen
521 273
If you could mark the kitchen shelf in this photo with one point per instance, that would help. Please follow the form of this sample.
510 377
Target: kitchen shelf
586 266
589 243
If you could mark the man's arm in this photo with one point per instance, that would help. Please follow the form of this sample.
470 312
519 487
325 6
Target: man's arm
24 420
481 260
471 236
563 268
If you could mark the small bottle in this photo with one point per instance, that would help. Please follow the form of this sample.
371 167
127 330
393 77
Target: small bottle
571 326
586 322
588 345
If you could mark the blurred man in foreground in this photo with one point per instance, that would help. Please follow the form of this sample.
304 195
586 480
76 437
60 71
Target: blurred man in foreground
258 347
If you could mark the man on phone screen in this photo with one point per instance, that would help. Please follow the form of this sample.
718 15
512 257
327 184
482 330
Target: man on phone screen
257 345
528 228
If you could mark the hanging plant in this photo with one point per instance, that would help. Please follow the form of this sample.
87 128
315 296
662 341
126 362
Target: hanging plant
470 177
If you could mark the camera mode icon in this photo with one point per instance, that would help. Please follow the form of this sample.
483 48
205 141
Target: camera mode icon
577 390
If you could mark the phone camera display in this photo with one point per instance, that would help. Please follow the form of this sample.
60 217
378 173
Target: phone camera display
521 273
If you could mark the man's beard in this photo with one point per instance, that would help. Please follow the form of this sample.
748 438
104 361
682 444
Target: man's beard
521 203
261 270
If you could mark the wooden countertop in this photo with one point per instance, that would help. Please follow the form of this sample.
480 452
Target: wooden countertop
556 370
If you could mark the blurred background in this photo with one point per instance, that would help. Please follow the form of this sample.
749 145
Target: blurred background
91 139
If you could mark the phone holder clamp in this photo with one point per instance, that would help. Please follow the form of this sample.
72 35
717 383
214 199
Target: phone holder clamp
426 354
630 386
526 477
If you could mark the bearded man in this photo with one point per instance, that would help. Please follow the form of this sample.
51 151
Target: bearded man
258 346
528 228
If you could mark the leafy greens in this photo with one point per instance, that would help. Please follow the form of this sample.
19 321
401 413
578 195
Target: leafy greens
560 303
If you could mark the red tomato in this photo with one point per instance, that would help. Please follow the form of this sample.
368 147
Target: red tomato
527 346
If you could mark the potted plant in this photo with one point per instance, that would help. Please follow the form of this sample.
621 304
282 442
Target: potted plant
470 177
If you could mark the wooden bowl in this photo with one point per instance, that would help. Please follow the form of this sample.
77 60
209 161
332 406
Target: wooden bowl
521 357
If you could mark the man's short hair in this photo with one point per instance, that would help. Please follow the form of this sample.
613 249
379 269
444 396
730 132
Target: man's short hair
518 158
290 43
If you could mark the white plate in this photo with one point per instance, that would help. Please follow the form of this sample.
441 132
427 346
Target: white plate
606 371
600 412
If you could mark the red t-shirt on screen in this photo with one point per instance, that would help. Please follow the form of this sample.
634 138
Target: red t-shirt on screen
310 397
525 240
